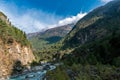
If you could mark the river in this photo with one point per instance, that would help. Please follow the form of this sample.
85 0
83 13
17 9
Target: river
36 73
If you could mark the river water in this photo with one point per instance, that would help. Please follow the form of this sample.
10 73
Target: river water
37 74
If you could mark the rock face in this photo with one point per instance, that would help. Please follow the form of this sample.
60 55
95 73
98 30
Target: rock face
12 53
11 49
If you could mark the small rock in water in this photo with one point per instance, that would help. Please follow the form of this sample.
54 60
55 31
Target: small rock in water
30 76
47 67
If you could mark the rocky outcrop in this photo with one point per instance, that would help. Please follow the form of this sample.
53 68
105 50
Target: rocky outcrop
12 49
9 54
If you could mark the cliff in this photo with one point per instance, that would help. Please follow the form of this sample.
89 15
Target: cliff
14 47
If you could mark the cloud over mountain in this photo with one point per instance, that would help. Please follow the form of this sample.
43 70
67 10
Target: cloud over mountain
106 1
72 19
33 20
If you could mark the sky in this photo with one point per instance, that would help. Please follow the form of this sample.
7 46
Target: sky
39 15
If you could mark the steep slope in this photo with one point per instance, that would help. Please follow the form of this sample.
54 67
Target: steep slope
96 37
40 40
96 25
95 47
14 47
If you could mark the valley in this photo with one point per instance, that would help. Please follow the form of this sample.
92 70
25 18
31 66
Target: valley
88 49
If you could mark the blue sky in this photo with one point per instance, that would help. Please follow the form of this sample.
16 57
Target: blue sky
37 15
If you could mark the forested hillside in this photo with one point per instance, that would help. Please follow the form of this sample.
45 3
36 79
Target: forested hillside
94 43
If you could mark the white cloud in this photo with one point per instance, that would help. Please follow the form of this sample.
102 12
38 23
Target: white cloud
33 20
72 19
106 1
68 20
29 22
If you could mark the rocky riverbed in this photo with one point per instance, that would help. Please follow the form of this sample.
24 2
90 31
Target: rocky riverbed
35 73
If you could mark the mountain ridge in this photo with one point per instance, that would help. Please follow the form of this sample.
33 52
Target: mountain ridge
90 19
91 50
49 36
